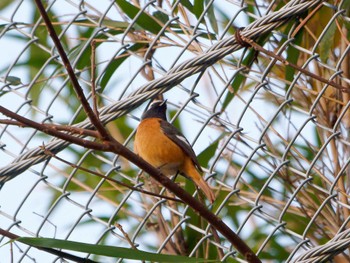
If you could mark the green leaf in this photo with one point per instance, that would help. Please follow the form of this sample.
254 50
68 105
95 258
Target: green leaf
192 236
251 8
38 57
187 4
237 82
144 21
113 66
102 250
115 24
205 156
5 3
212 19
327 42
198 8
346 23
164 18
293 56
346 5
12 80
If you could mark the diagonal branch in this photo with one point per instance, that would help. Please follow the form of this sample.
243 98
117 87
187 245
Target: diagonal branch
112 145
54 132
259 48
66 128
79 91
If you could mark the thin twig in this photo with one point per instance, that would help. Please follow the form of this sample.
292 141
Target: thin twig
217 240
54 132
304 21
119 226
340 30
287 63
67 128
79 91
93 77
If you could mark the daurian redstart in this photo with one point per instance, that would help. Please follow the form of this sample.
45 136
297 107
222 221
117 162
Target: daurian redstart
163 146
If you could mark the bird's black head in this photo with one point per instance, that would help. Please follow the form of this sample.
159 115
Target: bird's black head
156 110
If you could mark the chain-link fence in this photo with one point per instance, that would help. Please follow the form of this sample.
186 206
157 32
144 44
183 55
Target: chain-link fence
259 88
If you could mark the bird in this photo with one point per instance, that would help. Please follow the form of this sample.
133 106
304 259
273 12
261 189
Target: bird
163 146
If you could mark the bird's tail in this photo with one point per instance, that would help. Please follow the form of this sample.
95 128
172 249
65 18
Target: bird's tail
190 171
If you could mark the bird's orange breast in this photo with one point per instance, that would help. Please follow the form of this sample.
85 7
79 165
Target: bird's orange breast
156 148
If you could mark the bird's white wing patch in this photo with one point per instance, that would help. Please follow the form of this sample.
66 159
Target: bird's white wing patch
183 139
156 102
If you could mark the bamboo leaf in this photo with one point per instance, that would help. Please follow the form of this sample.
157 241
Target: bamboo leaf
205 156
113 66
237 82
212 19
13 80
293 56
103 250
198 8
5 3
144 21
327 42
187 4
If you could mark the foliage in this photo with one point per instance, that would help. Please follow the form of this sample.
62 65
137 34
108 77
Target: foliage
253 190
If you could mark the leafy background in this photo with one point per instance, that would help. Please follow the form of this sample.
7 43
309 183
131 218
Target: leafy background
274 142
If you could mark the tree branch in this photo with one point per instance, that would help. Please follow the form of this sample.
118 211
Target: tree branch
66 128
109 144
54 132
113 146
259 48
79 91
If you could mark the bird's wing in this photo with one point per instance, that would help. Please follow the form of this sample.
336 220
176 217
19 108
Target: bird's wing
177 137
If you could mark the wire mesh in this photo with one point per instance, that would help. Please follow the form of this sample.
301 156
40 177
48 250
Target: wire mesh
272 139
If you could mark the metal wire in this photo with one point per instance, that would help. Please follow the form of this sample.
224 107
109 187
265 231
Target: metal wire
159 86
266 166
